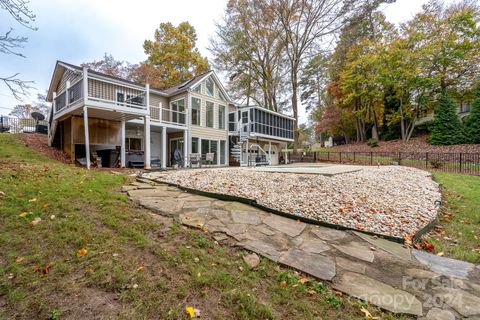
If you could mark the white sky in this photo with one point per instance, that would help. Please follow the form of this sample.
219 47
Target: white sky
77 31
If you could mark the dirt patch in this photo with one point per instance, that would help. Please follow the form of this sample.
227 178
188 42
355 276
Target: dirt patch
39 142
417 144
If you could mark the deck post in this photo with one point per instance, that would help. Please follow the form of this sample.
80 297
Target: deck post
270 153
54 102
185 148
164 147
122 148
67 88
87 138
146 133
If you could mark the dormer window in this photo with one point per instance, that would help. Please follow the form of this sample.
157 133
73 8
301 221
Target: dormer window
209 87
197 89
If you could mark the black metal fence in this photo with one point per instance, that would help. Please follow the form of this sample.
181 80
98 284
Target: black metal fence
18 125
468 163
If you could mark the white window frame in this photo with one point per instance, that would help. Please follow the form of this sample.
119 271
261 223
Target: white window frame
206 114
199 111
213 87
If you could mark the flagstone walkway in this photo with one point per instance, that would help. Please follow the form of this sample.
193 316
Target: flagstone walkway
381 272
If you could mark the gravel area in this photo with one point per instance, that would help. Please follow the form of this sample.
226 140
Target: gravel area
390 200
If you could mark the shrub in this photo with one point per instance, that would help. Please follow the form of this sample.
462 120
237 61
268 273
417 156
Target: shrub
446 128
472 121
372 142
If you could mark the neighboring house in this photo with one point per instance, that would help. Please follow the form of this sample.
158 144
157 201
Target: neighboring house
463 110
94 113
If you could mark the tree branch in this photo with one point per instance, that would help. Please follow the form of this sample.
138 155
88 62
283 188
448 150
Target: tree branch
19 88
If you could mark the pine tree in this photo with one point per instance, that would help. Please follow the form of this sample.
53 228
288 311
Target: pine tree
446 128
472 121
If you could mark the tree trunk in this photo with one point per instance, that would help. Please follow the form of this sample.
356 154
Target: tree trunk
295 108
375 127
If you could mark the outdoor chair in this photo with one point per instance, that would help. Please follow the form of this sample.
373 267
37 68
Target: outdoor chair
195 160
209 158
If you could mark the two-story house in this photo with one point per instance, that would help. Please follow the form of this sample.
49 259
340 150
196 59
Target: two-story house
93 113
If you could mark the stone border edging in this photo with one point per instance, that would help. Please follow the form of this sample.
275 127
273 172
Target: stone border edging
226 197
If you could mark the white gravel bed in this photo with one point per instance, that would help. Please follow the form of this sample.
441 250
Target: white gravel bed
389 200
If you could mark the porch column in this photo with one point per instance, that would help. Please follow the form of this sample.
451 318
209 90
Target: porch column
87 138
164 147
185 148
122 148
270 152
146 134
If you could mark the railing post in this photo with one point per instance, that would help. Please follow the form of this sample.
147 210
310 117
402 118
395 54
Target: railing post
147 97
160 110
54 103
461 160
85 85
66 94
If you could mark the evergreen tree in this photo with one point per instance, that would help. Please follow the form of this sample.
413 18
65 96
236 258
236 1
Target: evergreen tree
446 128
472 121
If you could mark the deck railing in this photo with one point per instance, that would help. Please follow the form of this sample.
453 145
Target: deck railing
165 115
109 92
468 163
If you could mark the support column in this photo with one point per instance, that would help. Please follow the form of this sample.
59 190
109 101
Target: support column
164 147
122 148
87 137
185 148
270 152
146 135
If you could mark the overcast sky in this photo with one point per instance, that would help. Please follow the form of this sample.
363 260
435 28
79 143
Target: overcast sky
77 31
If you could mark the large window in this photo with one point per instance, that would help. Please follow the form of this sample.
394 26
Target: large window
221 117
209 114
232 124
177 108
209 84
210 146
197 89
196 111
222 151
194 145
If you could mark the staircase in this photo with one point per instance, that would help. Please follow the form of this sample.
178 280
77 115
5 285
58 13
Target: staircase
236 149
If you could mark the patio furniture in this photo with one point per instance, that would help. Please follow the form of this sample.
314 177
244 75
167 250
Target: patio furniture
195 159
209 157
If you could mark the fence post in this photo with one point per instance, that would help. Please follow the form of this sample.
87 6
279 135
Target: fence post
399 158
461 162
371 158
328 156
340 157
426 160
314 157
354 157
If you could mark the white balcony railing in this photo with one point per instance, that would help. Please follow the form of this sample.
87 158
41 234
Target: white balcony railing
170 116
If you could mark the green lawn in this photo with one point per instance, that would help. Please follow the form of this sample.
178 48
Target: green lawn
458 235
135 265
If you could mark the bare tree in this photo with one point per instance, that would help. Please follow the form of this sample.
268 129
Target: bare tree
306 23
10 44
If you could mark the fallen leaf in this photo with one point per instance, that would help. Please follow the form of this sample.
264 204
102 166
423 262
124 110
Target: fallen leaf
339 293
303 280
367 313
45 205
24 214
135 286
32 200
2 193
196 259
81 252
36 220
19 259
311 292
52 217
140 266
190 311
441 253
